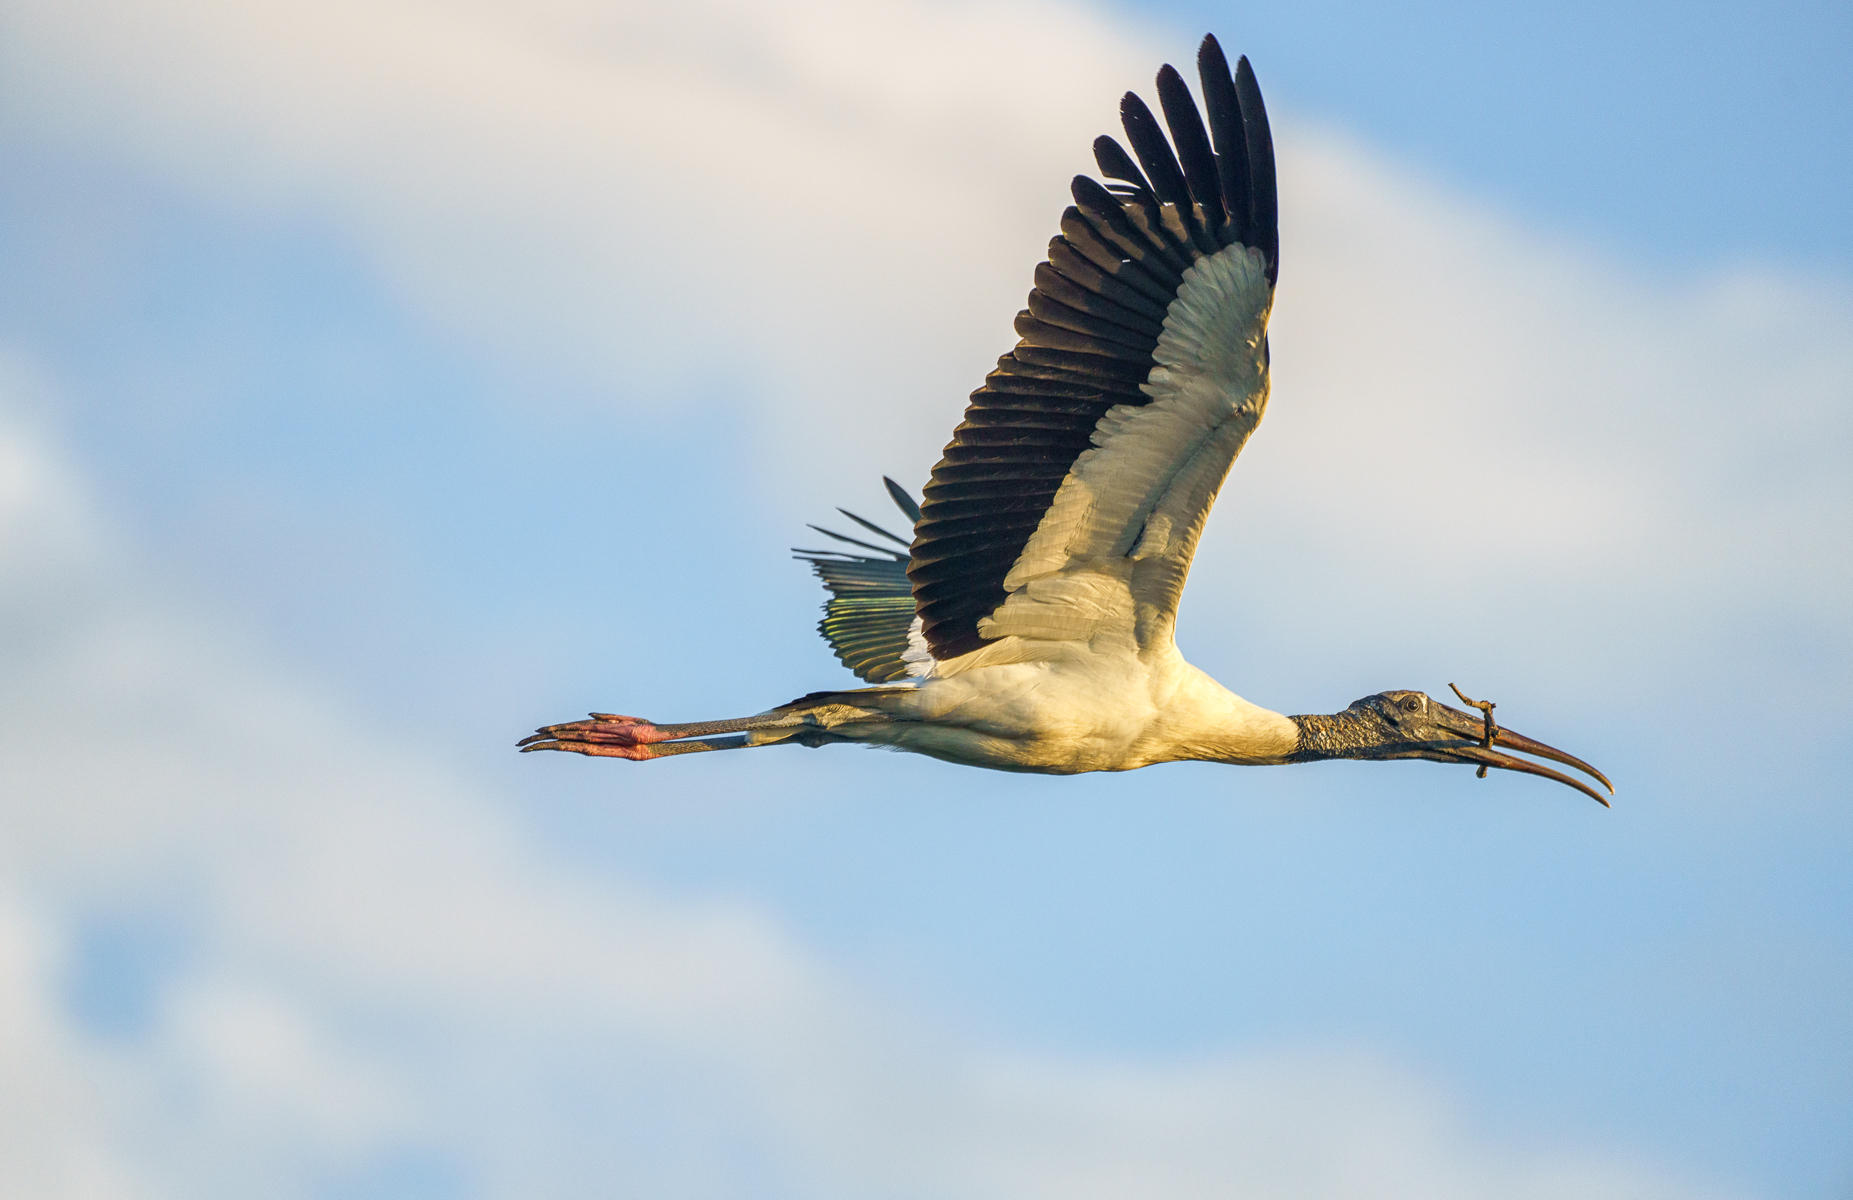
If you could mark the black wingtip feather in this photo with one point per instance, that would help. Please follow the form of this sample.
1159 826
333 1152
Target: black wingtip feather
1224 107
1264 205
1115 163
1193 144
1148 142
1210 57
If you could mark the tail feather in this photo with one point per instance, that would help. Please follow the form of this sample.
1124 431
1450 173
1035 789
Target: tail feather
871 605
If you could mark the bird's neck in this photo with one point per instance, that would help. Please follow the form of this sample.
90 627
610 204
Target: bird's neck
1208 722
1328 735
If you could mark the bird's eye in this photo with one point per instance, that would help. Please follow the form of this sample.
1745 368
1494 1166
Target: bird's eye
1410 704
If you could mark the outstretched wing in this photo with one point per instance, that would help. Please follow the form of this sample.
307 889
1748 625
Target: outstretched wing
1071 498
871 605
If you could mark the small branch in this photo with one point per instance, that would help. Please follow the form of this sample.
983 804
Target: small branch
1486 708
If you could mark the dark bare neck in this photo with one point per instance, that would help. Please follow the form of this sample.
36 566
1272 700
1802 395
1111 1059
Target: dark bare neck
1329 735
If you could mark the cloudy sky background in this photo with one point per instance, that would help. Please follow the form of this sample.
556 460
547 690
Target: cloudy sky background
378 380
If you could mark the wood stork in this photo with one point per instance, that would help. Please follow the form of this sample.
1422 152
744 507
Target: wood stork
1028 624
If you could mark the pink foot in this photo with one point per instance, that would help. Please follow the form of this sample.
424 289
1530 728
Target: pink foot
607 735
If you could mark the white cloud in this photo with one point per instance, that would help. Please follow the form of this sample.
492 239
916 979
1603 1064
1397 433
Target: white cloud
742 176
54 1115
1557 413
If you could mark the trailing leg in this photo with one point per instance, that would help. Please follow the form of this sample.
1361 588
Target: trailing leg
608 735
808 721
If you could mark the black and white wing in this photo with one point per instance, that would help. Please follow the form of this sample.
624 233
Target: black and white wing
1067 507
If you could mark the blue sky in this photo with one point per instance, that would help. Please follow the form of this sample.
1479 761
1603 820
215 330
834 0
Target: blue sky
1656 131
377 382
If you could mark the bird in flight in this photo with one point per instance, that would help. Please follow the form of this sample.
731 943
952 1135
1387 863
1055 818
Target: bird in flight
1028 623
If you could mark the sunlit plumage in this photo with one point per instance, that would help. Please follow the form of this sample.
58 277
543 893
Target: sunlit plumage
1028 623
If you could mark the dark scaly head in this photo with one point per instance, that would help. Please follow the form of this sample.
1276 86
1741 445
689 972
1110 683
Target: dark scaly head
1415 725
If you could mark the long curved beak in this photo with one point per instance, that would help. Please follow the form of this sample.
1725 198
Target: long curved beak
1471 729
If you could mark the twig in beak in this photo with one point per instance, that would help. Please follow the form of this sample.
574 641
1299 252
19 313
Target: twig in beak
1486 708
